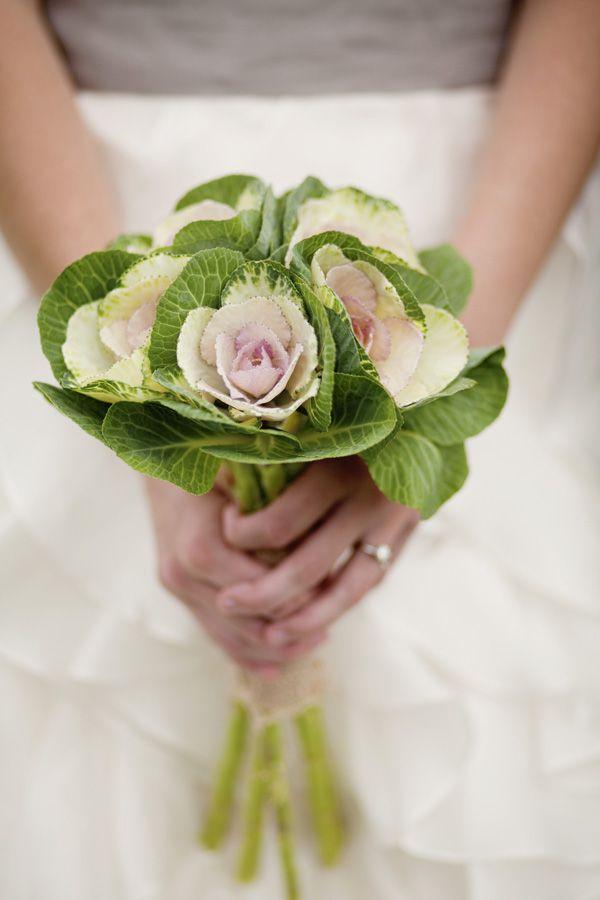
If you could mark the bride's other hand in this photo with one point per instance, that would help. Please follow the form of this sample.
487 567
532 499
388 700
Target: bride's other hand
332 507
194 563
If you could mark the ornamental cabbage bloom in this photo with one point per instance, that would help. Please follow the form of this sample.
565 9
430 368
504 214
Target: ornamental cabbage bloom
414 361
107 339
257 353
374 221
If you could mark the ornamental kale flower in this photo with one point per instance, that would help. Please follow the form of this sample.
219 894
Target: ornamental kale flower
374 221
257 353
105 348
415 358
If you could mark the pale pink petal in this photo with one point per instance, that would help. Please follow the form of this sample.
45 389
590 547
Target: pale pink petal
140 323
114 336
253 369
370 331
294 356
381 340
233 317
254 333
348 281
406 348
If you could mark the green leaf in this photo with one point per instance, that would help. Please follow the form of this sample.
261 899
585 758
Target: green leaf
238 233
161 444
452 272
310 187
199 284
380 222
84 411
363 414
319 407
451 419
455 469
269 236
239 441
424 286
84 281
133 243
352 248
407 468
238 191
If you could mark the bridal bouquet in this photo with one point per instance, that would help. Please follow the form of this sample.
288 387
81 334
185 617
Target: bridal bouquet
259 334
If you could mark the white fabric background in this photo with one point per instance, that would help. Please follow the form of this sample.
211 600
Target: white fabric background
465 698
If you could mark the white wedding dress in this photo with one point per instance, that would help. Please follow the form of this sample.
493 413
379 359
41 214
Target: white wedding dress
464 703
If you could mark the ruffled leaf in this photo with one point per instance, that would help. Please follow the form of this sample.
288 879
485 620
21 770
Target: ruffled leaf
200 284
238 233
452 272
443 358
159 443
452 419
86 412
375 221
319 407
84 281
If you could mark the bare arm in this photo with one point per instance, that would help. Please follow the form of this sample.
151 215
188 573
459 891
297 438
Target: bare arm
544 139
56 201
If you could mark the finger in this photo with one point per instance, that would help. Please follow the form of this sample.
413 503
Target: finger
199 597
305 502
309 563
202 552
360 575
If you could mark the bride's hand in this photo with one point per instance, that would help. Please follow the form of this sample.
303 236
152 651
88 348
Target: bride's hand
194 563
332 507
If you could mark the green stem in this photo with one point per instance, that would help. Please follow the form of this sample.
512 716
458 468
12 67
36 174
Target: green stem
280 797
321 789
219 811
247 488
256 797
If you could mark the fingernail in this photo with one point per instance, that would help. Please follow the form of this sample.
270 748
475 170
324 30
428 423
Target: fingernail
277 637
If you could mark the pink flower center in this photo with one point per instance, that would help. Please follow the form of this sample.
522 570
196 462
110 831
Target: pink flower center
259 363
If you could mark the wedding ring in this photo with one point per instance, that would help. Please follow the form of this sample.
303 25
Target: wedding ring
381 553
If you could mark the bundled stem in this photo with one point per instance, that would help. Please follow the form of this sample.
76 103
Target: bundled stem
321 788
254 487
256 797
221 804
280 797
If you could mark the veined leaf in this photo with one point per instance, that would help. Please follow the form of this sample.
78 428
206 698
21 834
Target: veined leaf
451 419
84 411
84 281
238 191
319 407
455 469
239 233
407 468
200 284
310 187
269 236
452 271
303 252
159 443
132 243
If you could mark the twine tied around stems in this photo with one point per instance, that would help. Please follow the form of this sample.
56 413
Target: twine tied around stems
300 684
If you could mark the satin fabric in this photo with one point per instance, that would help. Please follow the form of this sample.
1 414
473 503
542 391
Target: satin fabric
464 692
